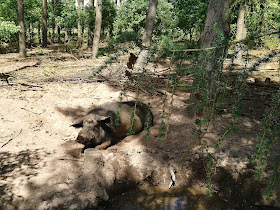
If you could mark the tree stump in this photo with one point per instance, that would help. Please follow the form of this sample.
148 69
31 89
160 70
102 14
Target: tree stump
93 160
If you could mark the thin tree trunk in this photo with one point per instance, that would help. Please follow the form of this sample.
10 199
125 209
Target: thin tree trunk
66 36
44 25
90 24
118 3
240 32
79 25
39 33
262 6
190 35
150 23
53 24
97 31
147 36
30 32
58 34
22 44
83 27
57 27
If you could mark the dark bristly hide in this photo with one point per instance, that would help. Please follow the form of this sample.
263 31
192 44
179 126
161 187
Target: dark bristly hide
100 127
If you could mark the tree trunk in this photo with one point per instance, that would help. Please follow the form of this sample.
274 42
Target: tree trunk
39 33
31 33
79 25
118 3
217 24
97 31
57 2
90 24
150 23
22 44
240 32
190 34
44 25
58 34
66 36
83 26
53 24
147 36
218 13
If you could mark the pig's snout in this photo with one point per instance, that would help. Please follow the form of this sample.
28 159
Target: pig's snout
84 137
80 138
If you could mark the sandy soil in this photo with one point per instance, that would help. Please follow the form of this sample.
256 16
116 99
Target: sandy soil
41 166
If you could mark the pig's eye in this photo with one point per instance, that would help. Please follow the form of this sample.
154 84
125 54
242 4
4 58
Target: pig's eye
89 121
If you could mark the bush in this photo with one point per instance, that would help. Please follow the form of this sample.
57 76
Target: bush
127 36
8 30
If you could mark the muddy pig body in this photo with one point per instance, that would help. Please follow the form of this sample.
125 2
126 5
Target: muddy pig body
109 123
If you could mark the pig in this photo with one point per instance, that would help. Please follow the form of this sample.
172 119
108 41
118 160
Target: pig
109 123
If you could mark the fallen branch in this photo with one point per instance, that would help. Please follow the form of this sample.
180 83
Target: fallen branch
21 66
70 159
30 111
11 139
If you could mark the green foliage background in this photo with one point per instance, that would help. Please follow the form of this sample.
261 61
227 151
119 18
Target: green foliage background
131 18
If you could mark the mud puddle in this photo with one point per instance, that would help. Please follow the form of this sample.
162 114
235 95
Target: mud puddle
157 197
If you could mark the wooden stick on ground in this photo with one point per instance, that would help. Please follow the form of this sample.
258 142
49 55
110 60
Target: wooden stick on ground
11 139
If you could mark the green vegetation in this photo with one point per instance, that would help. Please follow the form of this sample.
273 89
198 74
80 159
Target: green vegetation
178 34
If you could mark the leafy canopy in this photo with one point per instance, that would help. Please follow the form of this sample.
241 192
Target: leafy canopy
131 17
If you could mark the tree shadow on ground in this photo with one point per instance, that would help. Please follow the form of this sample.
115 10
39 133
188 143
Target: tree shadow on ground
36 179
159 155
15 170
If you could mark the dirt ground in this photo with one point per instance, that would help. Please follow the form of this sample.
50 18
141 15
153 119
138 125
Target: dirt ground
41 166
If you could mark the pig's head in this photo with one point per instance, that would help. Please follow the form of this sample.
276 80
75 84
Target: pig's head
92 132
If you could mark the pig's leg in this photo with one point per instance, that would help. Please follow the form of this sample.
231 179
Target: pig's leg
104 145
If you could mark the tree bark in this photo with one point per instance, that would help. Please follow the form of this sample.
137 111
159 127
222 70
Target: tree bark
83 26
217 23
22 44
150 23
30 33
66 36
118 3
90 24
44 25
147 36
39 33
57 27
58 34
218 13
240 32
97 31
53 24
79 25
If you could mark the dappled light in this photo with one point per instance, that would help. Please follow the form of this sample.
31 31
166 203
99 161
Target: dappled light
127 104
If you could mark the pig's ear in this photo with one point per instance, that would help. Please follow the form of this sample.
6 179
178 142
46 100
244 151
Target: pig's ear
104 119
78 123
106 124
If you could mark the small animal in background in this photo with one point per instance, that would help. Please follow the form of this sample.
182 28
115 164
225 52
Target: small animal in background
99 127
131 61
